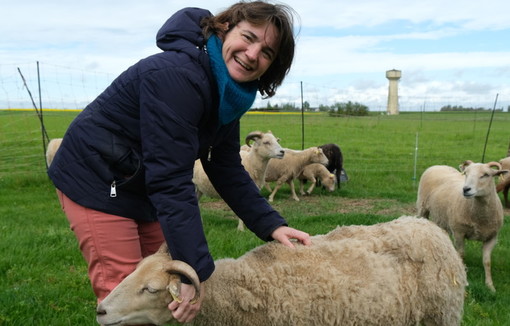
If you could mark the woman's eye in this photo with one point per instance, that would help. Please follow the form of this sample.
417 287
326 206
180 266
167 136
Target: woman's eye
267 55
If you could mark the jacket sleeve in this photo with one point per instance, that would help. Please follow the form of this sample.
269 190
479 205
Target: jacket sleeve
236 187
171 105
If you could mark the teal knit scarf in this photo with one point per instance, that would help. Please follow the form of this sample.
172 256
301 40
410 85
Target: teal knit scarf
235 98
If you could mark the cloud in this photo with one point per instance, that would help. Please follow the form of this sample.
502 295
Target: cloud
449 49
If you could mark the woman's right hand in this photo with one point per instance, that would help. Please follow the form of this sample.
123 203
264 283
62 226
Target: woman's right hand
185 311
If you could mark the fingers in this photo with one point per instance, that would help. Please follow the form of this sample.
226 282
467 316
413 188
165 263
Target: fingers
284 234
303 237
185 311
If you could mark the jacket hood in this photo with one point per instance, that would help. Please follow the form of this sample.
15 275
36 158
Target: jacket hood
184 25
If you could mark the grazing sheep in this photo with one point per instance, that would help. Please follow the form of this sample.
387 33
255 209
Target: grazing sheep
465 204
403 272
53 146
504 180
335 160
314 172
287 169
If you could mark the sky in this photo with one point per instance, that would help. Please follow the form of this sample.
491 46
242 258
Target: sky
449 52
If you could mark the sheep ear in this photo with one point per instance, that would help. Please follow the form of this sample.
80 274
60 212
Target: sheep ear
499 172
163 248
174 287
464 165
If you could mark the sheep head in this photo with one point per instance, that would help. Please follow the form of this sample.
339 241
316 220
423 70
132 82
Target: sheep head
143 296
265 144
319 156
479 178
329 182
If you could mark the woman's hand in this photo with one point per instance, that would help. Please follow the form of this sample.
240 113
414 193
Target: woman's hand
284 234
185 311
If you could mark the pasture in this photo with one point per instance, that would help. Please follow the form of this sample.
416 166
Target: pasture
43 278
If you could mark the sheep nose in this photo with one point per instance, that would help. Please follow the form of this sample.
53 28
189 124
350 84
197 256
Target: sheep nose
100 312
466 190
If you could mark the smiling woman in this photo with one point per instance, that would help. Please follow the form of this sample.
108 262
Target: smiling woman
124 168
249 50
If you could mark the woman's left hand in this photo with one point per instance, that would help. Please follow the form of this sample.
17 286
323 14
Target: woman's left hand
284 234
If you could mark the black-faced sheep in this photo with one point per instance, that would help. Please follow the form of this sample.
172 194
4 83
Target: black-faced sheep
335 160
465 204
404 272
290 166
313 173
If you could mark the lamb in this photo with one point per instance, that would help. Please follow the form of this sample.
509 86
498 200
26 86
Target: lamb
504 181
465 204
341 279
265 146
335 160
287 169
312 173
53 146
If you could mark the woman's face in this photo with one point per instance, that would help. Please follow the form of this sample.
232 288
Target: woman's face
249 50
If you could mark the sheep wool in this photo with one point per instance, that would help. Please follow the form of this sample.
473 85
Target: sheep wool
403 272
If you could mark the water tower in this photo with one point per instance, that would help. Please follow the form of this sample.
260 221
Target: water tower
393 76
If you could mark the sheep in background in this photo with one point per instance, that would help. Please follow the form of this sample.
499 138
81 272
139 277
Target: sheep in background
290 166
504 180
335 160
504 186
465 204
53 146
314 172
255 160
403 272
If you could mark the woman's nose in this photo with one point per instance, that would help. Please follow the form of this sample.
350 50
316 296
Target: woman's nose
252 52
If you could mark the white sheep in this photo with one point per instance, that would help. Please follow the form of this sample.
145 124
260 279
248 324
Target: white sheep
403 272
465 204
290 166
265 146
53 146
312 173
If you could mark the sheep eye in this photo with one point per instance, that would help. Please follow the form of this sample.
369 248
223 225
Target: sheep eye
266 143
149 289
485 175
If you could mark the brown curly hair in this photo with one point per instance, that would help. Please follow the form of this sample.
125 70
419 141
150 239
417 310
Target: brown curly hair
258 13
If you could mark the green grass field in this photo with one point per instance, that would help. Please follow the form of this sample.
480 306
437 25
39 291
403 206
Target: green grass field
43 277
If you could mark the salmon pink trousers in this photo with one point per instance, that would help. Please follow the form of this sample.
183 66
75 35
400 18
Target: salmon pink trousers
112 245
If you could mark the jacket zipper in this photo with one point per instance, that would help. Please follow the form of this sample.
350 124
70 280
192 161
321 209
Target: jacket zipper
113 189
209 154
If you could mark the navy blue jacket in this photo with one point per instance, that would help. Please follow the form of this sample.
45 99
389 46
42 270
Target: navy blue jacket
131 151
